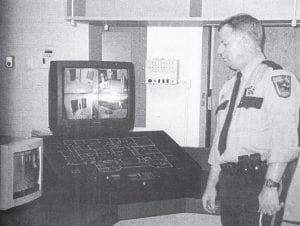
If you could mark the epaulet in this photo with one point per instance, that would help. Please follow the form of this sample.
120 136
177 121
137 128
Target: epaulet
272 64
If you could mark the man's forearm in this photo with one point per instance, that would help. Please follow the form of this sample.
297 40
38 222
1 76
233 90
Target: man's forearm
213 177
275 171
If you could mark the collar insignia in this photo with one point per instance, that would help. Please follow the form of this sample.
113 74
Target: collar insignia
250 91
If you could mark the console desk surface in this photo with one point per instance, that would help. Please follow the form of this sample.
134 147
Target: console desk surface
68 205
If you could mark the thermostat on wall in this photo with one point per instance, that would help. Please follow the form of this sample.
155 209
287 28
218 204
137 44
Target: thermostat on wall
162 71
47 54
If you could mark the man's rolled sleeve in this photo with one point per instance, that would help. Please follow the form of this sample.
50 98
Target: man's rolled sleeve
214 155
283 114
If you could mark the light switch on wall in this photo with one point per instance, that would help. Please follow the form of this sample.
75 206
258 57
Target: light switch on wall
9 61
47 54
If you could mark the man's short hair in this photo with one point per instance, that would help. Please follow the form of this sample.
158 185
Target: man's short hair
247 24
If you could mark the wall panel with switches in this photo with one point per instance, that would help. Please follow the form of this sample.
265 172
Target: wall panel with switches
162 71
174 108
47 54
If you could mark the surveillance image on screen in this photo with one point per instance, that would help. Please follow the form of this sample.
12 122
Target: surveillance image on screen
95 93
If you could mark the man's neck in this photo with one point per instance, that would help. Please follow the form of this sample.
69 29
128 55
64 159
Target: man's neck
250 59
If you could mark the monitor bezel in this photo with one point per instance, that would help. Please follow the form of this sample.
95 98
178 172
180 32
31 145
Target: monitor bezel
7 151
61 126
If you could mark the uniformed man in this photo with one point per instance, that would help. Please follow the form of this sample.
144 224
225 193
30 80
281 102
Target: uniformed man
256 134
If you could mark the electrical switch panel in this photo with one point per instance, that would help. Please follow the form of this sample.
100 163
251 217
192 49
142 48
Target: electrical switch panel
162 71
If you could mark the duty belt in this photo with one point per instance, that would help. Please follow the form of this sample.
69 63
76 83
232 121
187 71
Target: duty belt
248 166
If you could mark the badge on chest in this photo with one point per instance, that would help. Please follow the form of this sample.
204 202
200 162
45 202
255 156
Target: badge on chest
250 100
250 91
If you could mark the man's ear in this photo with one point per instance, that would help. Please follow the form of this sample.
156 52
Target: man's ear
246 40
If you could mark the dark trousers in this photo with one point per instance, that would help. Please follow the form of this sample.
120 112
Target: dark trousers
239 199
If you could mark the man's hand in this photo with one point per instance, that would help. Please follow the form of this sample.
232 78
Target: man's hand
209 196
208 199
269 197
269 201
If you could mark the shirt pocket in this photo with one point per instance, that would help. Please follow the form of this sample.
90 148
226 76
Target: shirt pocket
253 130
251 102
251 113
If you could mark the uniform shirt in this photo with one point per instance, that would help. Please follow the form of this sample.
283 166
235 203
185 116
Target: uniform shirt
265 118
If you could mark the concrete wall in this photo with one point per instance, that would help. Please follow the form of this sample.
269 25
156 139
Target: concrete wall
27 27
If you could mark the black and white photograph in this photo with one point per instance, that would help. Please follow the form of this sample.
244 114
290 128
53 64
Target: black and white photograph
149 113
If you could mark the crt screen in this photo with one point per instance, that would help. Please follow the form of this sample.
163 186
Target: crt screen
95 93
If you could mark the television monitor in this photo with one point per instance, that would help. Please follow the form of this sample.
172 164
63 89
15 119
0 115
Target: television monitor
21 164
90 97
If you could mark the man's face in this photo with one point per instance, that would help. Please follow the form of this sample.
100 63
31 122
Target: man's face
232 48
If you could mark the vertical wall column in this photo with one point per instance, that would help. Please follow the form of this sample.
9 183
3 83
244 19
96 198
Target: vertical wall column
176 108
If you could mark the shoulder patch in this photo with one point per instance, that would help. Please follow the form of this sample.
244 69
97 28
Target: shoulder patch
282 84
272 64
